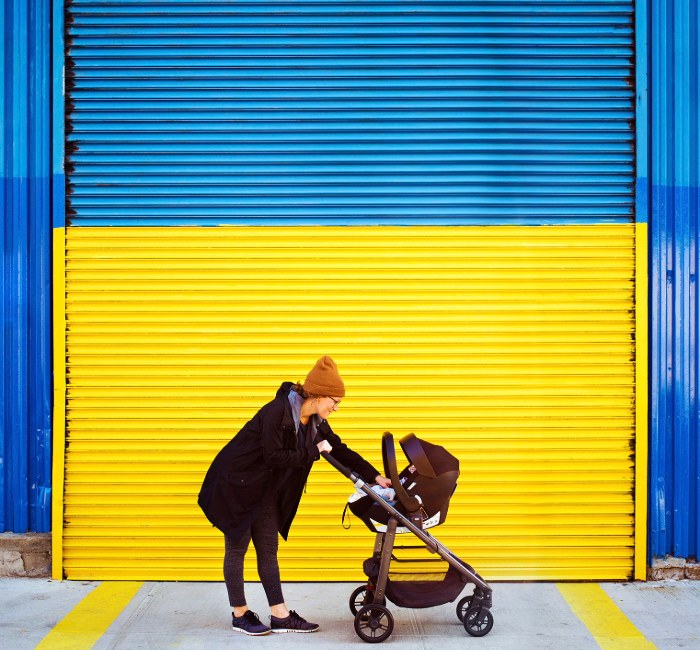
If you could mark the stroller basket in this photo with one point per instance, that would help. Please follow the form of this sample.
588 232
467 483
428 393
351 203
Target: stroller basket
426 593
422 494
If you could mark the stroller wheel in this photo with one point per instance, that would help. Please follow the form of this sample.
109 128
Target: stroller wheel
374 623
478 620
360 597
462 606
357 599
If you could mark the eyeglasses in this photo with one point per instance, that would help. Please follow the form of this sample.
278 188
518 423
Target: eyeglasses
335 402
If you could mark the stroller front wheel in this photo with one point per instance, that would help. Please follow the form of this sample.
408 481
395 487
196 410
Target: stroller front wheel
478 620
374 623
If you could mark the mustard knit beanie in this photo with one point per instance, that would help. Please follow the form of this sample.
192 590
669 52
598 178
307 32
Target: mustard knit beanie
324 379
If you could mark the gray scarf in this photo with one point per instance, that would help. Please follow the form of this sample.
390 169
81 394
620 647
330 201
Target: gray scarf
296 400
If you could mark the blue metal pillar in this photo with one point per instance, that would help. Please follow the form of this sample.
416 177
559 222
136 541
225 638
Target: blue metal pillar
25 399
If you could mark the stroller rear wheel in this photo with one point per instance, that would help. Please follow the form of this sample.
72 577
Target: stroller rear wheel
478 620
358 599
374 623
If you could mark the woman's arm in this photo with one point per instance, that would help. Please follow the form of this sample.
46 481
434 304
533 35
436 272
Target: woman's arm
343 454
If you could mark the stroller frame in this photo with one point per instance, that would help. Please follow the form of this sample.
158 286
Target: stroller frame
373 621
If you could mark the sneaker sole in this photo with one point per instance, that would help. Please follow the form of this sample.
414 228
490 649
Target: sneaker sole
238 629
295 631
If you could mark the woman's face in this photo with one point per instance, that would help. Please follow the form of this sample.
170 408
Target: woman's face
326 406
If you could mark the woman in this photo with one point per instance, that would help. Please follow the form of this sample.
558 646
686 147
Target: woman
253 487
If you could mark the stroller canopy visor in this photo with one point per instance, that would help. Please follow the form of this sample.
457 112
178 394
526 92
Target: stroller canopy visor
428 459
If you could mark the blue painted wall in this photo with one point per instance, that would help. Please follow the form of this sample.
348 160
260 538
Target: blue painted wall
674 77
25 280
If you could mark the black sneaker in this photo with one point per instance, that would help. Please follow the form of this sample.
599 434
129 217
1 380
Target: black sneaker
293 623
249 624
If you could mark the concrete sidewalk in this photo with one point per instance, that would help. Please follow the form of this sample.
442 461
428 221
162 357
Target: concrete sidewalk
196 615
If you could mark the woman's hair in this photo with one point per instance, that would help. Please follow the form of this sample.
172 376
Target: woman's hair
298 388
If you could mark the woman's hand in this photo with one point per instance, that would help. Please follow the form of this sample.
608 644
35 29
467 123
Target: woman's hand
381 481
324 445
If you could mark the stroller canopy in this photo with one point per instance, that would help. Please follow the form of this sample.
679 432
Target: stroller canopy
428 459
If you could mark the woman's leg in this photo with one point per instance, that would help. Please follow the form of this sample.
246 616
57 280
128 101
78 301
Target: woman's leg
233 573
265 539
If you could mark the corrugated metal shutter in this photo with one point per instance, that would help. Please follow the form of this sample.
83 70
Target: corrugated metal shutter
356 113
512 345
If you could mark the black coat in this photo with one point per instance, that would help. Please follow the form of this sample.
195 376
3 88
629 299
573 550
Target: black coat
261 457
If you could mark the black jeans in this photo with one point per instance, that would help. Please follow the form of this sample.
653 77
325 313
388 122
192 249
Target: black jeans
263 532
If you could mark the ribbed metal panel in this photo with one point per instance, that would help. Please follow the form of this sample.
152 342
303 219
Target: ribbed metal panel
512 346
25 275
675 199
365 112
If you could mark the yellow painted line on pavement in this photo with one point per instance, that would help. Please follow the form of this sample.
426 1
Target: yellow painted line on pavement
83 626
603 618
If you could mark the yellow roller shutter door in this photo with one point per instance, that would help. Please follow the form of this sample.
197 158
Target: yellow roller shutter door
511 346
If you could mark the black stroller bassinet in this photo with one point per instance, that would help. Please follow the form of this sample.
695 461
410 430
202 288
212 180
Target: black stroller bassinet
430 477
421 501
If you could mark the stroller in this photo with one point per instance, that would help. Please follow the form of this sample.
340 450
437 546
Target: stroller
422 496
